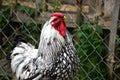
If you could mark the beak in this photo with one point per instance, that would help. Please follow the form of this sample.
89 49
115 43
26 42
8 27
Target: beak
65 18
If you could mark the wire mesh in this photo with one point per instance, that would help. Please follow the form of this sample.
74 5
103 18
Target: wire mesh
90 39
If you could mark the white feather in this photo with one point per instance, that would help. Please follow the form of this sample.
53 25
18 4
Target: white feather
26 61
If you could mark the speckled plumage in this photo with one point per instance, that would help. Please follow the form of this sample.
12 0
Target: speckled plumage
55 58
66 65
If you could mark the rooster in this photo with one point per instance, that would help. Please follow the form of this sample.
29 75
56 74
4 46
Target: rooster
55 58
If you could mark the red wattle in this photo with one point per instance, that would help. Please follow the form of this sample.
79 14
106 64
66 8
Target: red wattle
59 25
62 28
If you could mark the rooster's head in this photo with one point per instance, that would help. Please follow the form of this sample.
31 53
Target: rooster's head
57 21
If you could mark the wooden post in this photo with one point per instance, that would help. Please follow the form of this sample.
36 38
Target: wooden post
113 31
11 5
108 7
79 18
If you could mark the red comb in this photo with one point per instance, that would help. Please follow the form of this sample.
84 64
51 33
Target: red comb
57 14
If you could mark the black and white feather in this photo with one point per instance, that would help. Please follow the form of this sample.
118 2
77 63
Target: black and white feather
55 58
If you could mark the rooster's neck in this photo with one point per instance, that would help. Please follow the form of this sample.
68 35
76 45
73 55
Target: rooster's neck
51 42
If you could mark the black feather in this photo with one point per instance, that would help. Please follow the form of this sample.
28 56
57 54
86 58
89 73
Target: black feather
18 38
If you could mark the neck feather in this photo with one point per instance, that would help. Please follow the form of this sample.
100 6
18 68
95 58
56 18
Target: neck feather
50 42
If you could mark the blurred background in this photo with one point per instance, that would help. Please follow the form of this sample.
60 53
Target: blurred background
94 24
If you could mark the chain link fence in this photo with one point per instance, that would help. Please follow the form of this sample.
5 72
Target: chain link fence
95 36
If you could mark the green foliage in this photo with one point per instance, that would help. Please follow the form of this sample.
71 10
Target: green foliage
117 43
4 77
117 66
26 9
32 32
5 16
90 49
42 6
56 5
